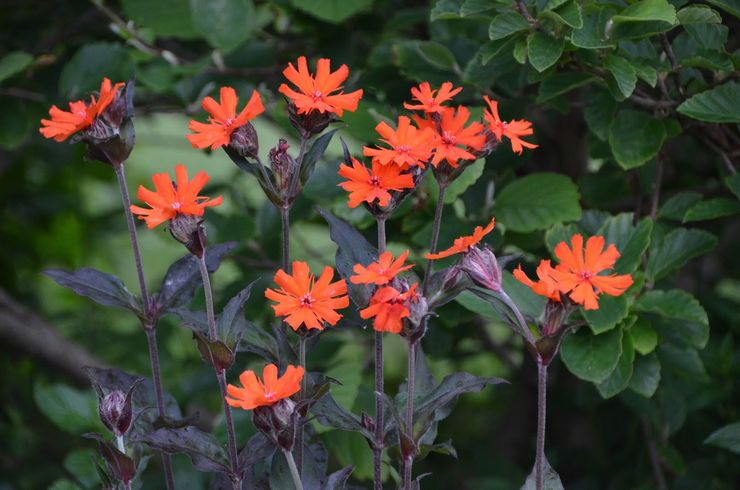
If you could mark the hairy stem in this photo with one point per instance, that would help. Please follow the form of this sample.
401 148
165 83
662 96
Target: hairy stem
220 374
149 326
300 434
435 233
410 382
379 382
519 317
293 470
285 225
541 416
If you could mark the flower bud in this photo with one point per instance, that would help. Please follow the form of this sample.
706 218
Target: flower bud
414 326
491 143
278 422
111 137
116 412
244 141
482 268
282 164
310 123
189 230
452 277
555 314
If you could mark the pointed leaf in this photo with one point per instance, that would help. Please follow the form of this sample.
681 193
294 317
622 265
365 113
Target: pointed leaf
718 105
675 249
314 154
727 437
551 480
506 24
104 289
202 448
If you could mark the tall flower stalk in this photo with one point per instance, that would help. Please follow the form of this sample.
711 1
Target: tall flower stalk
379 383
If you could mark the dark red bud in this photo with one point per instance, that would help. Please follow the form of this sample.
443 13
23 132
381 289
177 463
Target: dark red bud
482 268
311 123
115 413
189 230
244 141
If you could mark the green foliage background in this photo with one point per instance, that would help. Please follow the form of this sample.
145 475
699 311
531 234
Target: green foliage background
635 107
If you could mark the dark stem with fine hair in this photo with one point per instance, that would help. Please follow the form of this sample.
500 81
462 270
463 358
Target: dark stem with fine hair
285 225
435 232
539 462
220 373
379 388
408 461
149 326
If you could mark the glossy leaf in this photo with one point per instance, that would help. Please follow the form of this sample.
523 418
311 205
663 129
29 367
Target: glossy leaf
592 357
619 379
675 249
717 105
712 209
543 50
506 24
612 310
631 241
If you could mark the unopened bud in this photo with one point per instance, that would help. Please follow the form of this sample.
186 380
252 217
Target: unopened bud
111 137
490 144
282 164
310 123
555 314
189 230
482 268
116 412
452 277
244 141
278 422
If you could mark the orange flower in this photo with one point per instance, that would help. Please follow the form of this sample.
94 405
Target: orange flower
545 286
454 134
223 119
306 301
316 92
512 129
431 100
172 198
382 271
64 124
389 307
578 271
464 243
409 146
365 186
258 393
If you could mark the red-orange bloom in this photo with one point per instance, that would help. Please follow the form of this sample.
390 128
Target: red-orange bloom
303 300
64 124
464 243
578 271
317 93
264 393
455 140
545 286
382 271
512 129
223 119
369 186
431 100
172 198
389 307
409 146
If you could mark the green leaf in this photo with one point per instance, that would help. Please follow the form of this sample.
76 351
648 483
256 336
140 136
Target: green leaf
635 137
644 18
74 411
727 437
645 72
506 24
472 7
90 64
619 379
645 375
675 249
733 183
543 50
165 18
682 360
558 84
718 105
688 322
568 14
551 479
675 208
334 11
630 240
560 233
593 33
465 180
538 201
592 357
698 14
492 49
612 310
14 63
15 122
225 24
599 112
731 6
436 55
623 72
445 9
520 50
644 337
314 154
711 209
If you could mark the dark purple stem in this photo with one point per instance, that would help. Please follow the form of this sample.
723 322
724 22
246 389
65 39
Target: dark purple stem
285 222
435 233
410 382
149 326
379 388
541 416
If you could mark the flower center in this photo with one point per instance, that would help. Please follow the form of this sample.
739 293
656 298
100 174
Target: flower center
229 122
430 102
448 138
403 148
176 205
375 181
307 301
270 395
317 96
585 275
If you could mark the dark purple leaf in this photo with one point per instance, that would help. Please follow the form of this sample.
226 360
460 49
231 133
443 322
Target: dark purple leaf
314 154
551 480
352 249
183 279
329 413
202 448
214 353
338 479
104 289
119 464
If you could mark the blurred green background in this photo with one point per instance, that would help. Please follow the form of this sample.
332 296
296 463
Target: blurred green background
615 111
